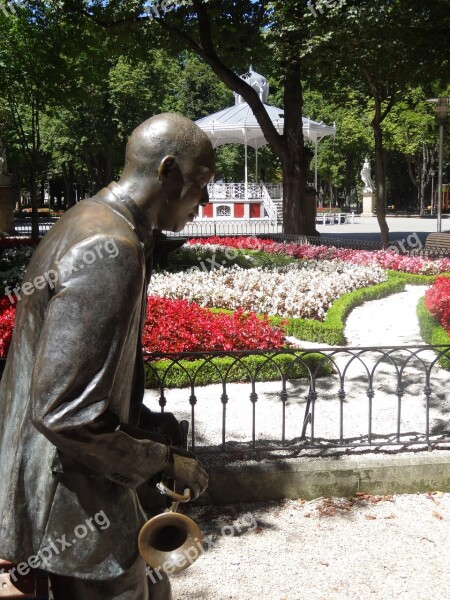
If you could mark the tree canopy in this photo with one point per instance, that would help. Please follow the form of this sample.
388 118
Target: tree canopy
76 76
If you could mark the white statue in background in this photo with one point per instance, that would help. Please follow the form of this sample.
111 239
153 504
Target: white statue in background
366 176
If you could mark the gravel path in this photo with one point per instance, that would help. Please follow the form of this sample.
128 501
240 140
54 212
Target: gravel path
374 548
324 550
390 321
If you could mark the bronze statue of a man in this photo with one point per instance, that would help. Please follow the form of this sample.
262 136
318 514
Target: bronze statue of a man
72 452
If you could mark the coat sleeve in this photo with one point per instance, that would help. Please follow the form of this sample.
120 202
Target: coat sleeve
91 320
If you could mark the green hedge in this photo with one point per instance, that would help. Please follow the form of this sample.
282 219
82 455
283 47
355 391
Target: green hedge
413 279
432 332
213 370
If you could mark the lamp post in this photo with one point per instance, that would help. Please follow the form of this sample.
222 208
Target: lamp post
442 109
432 174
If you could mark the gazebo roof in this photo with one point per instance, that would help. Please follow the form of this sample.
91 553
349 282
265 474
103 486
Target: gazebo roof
237 124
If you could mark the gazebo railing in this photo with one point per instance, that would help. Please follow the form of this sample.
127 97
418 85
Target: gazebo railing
235 191
269 205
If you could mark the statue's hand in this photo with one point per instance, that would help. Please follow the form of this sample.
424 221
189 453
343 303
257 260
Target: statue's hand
185 469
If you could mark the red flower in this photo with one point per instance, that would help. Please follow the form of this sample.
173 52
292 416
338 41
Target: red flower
437 301
180 326
7 316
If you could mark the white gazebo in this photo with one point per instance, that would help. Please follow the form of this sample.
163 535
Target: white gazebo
238 124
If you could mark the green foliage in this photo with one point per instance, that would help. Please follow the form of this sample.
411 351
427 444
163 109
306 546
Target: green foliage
140 88
414 279
196 90
432 332
266 367
207 259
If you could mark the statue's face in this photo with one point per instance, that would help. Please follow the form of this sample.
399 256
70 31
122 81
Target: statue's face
190 192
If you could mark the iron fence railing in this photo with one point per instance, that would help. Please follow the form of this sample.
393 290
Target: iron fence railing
311 399
297 401
223 227
235 191
266 227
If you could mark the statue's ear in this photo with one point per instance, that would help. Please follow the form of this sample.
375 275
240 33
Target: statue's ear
167 165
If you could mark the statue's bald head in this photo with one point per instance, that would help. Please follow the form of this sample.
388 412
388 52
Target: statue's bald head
162 135
169 162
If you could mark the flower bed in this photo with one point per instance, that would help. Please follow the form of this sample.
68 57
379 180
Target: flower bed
180 326
301 290
437 301
7 316
384 259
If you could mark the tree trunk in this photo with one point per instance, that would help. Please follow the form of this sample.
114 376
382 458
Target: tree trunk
349 179
423 181
299 215
380 175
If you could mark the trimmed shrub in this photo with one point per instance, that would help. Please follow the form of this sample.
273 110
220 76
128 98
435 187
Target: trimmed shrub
432 332
215 369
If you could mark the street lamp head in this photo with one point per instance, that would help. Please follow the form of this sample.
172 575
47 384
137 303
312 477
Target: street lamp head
442 107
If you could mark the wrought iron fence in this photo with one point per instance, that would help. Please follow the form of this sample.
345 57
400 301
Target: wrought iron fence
285 400
324 241
223 227
262 228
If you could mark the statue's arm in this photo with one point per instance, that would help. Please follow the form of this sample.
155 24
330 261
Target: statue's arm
79 357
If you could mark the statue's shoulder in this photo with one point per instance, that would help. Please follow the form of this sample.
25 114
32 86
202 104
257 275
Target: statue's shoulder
90 217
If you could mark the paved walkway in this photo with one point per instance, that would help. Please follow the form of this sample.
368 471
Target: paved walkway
400 228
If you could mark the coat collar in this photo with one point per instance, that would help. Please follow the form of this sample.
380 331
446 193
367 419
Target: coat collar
130 211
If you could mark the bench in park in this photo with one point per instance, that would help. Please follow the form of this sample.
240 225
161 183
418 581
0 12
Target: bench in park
335 218
438 244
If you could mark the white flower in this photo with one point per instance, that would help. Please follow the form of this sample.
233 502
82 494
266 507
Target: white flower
305 289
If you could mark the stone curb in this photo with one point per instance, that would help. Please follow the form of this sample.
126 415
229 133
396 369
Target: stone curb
326 477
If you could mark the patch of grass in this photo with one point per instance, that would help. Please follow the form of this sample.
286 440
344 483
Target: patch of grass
432 332
215 369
